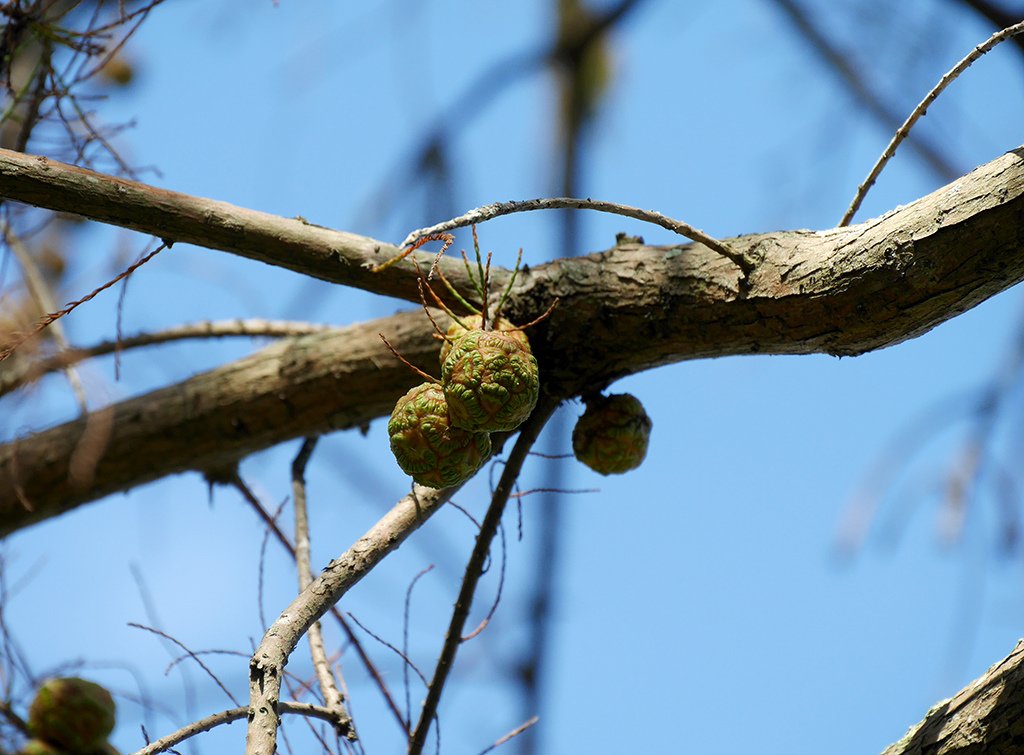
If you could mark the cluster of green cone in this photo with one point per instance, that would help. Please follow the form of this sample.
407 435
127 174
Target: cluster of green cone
70 716
440 432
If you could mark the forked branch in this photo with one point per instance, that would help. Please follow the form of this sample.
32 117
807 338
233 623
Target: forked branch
267 666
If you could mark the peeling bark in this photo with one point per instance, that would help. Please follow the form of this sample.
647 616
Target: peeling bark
841 291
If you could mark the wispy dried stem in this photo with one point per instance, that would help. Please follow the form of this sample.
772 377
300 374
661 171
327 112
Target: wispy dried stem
511 735
72 306
236 481
191 655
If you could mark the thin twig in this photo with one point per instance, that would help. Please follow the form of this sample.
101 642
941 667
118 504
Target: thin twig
406 362
497 209
192 655
237 714
511 735
405 643
921 109
560 491
328 687
488 528
11 717
501 587
245 328
263 557
405 658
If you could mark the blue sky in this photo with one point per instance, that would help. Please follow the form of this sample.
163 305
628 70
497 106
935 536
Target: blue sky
702 593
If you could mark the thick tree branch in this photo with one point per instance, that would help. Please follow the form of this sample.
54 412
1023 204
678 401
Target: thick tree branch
292 243
840 291
986 716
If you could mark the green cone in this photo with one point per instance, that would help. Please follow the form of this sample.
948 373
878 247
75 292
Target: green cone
490 381
473 322
72 714
425 444
611 437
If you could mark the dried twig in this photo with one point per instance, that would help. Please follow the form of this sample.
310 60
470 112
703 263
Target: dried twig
497 209
236 481
43 297
72 306
406 660
191 655
922 107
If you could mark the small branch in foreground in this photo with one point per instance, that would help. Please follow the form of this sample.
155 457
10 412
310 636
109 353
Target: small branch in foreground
236 714
488 529
921 109
238 483
267 664
16 721
490 211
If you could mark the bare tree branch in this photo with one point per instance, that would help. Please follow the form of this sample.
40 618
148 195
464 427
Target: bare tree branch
841 291
498 209
996 16
45 301
292 243
922 107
